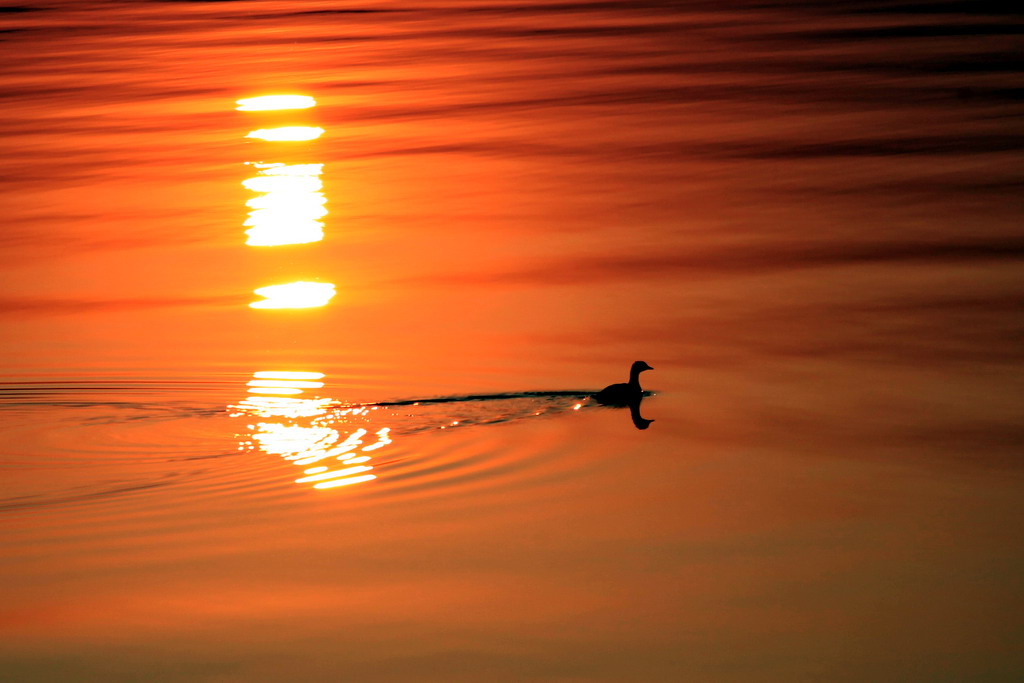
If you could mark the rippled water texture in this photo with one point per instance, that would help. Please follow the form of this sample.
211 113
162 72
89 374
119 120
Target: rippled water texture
301 388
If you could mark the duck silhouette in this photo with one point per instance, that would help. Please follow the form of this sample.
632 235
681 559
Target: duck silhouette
627 393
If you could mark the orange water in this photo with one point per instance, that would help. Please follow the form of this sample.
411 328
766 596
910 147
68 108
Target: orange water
806 218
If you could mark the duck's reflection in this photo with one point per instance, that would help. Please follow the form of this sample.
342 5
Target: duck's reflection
639 421
304 431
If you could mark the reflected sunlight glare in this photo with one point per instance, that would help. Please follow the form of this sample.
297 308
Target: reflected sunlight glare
274 102
286 209
306 432
278 169
289 407
288 205
331 474
294 295
292 383
287 133
284 374
344 482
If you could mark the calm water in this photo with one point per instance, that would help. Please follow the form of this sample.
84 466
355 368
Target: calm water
805 216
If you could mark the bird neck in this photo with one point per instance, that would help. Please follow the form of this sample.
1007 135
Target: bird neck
634 377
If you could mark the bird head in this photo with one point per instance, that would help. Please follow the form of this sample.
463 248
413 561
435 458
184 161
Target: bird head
640 366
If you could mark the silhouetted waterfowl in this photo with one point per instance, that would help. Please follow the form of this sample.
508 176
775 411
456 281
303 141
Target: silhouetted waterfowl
639 421
628 393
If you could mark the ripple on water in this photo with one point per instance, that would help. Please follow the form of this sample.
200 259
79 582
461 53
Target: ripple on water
407 447
140 448
79 443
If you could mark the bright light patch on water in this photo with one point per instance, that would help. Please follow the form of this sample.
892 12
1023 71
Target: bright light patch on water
278 169
290 383
344 482
382 440
287 374
283 184
287 133
287 407
275 102
293 441
333 474
295 295
288 206
307 445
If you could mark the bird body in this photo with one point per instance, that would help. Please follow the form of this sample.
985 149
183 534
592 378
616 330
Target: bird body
626 393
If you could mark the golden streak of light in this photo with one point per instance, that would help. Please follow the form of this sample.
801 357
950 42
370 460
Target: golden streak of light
350 443
287 133
283 183
302 431
344 482
280 212
293 441
275 406
280 169
313 456
290 383
382 440
285 374
273 102
337 452
289 205
332 474
295 295
305 206
355 411
282 391
307 233
356 437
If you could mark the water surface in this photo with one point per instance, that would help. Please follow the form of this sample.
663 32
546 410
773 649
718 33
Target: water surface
805 217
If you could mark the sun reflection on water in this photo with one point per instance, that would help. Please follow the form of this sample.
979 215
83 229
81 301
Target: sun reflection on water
305 431
294 295
287 209
287 133
291 383
288 206
276 374
275 102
